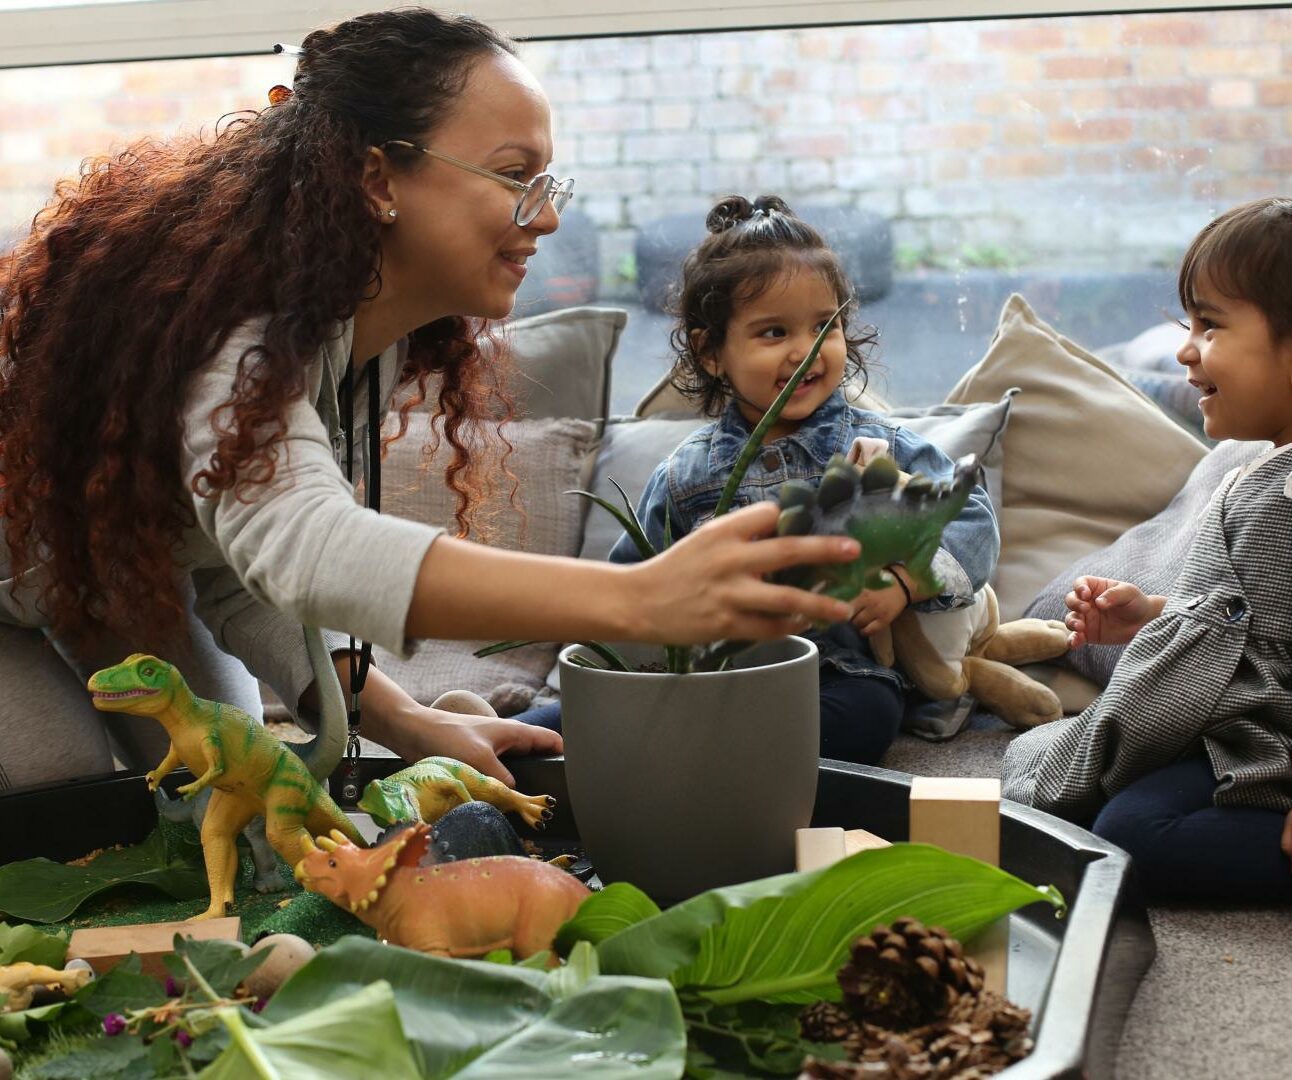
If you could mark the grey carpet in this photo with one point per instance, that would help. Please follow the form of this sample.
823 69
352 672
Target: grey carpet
1216 1001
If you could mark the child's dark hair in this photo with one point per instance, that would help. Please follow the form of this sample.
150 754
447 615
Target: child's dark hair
1246 253
749 247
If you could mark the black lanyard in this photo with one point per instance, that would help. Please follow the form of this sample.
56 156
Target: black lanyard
361 652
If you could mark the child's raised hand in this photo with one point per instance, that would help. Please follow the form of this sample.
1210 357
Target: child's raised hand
1102 611
874 609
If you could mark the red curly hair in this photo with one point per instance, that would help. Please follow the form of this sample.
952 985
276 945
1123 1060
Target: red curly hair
133 278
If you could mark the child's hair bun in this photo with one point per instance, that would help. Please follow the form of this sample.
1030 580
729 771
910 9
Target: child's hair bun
733 209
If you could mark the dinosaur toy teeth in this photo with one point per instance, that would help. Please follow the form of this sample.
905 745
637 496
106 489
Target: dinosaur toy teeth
112 695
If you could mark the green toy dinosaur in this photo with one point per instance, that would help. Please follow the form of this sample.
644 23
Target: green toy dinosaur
435 785
894 524
250 771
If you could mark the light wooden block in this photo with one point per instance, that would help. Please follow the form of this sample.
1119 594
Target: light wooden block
815 848
962 815
855 840
103 947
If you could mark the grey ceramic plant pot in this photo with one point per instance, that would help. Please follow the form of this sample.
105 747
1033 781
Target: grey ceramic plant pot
681 783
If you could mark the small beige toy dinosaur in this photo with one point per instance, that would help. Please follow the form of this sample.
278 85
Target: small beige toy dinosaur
20 981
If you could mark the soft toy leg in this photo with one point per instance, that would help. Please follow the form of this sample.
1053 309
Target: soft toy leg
463 701
1025 641
1020 701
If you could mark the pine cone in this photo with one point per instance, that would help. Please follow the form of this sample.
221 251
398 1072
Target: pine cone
906 975
826 1022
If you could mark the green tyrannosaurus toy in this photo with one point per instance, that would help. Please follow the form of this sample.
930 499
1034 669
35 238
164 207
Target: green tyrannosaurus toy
249 771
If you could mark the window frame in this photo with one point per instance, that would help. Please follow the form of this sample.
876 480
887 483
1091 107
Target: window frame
172 29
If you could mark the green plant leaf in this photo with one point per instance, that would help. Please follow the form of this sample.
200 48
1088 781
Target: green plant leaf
13 1025
223 964
503 646
483 1020
27 944
615 661
750 450
357 1035
783 938
629 520
104 1057
121 990
43 891
603 914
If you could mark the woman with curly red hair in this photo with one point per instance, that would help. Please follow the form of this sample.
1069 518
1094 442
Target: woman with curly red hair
174 334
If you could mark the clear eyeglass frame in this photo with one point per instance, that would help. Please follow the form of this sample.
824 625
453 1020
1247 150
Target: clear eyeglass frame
543 188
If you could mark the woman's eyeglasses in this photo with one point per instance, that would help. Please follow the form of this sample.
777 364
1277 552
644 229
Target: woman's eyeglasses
532 195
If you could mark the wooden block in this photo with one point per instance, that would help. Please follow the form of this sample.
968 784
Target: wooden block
962 815
815 848
103 947
855 840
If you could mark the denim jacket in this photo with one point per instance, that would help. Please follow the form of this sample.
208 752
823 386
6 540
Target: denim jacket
688 484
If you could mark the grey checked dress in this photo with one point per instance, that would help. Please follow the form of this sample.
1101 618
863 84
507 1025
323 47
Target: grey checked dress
1213 672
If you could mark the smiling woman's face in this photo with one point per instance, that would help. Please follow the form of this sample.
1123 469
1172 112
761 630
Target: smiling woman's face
454 241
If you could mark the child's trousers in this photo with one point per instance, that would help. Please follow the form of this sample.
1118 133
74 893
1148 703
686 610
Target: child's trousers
859 716
1187 848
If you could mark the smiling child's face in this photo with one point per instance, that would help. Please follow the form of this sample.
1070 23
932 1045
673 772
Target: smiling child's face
1244 374
768 337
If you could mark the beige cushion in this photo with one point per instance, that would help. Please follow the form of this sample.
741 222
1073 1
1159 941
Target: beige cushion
563 362
1087 456
549 460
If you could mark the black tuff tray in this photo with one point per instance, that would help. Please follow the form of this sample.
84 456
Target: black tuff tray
1078 975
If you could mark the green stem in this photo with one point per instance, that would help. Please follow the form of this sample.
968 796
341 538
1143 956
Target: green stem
202 984
770 417
242 1037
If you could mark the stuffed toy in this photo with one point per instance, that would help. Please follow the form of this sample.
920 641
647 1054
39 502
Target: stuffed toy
968 650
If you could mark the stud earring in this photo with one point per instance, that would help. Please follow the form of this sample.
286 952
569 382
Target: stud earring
390 212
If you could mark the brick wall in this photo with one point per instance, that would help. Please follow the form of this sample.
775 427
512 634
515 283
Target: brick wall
1099 141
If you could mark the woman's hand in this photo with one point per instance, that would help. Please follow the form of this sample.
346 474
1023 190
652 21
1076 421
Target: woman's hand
1102 611
877 608
419 732
710 585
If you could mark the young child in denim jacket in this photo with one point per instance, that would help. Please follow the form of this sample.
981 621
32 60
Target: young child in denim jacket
753 298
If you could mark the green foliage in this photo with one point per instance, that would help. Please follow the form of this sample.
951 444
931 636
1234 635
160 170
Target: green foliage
43 891
27 944
472 1019
781 939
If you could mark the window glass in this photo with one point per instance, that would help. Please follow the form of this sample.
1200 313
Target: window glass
1070 159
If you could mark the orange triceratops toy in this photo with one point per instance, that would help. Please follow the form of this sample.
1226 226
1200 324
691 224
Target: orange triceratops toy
465 908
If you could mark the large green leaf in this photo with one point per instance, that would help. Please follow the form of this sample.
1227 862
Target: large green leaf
356 1036
26 943
616 907
43 891
783 938
475 1019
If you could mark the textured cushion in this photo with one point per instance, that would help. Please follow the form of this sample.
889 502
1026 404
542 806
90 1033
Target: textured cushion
1149 555
549 459
976 428
1087 456
563 362
1148 363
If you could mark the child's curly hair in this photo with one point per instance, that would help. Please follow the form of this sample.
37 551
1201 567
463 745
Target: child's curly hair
749 247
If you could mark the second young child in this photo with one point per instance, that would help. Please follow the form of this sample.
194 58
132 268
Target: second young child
754 296
1185 760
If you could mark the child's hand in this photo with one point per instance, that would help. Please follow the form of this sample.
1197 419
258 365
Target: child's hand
1106 612
875 609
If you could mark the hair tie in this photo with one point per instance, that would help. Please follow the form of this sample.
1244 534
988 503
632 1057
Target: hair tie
278 94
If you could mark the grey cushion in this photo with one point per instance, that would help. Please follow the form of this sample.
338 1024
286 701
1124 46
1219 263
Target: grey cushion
548 460
563 361
1149 555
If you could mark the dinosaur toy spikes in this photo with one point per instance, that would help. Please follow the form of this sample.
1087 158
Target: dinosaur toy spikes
895 524
326 843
